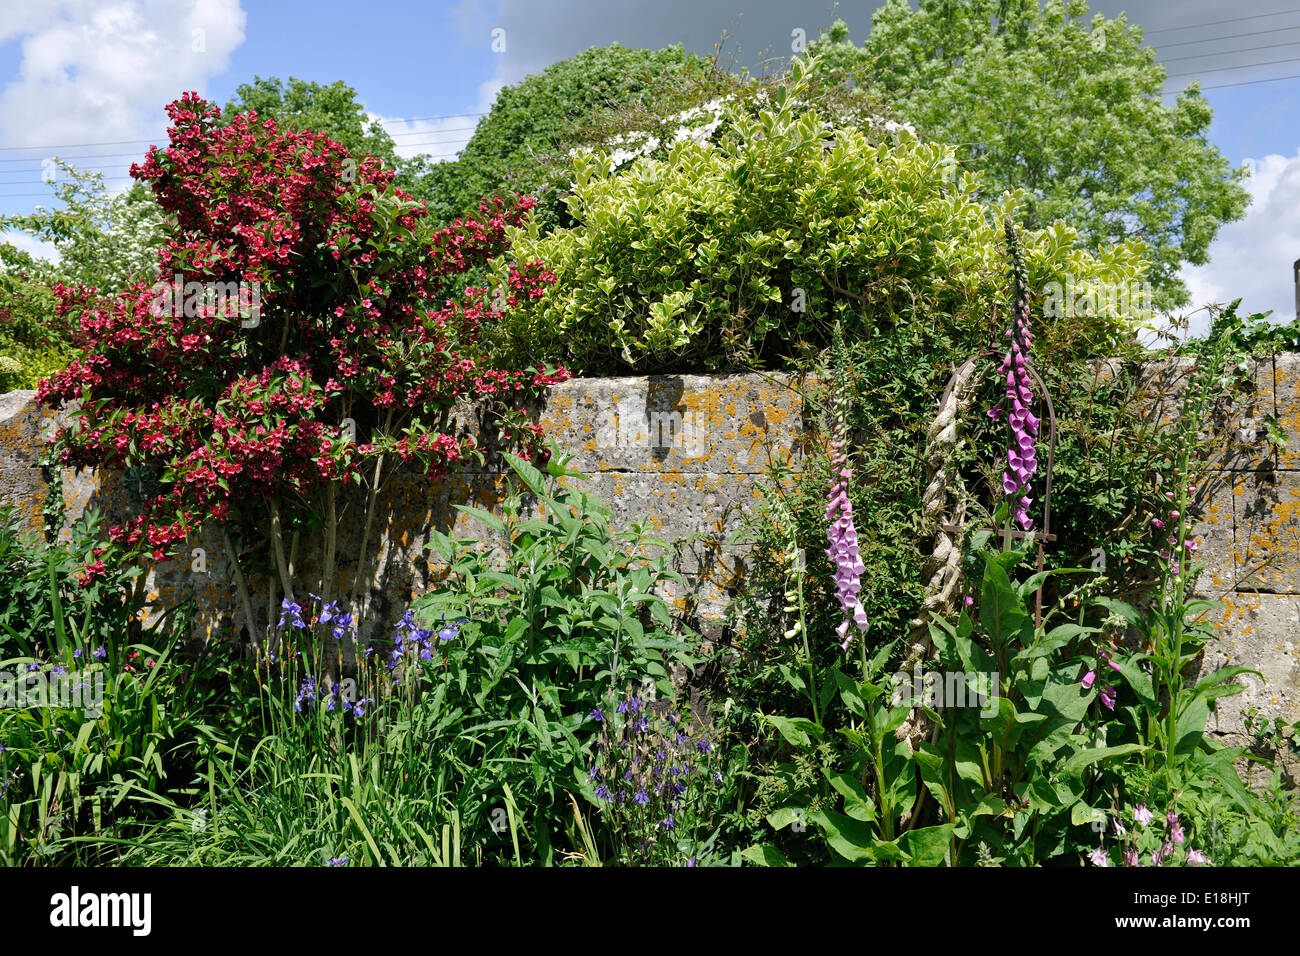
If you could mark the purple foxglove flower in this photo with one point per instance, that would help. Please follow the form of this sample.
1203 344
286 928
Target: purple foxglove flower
1108 697
1021 459
1088 678
843 537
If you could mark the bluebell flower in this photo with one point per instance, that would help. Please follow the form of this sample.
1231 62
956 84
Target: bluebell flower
329 611
292 613
307 692
450 631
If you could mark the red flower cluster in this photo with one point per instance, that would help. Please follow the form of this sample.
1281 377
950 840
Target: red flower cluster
232 407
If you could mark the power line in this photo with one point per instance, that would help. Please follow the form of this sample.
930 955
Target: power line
104 167
112 179
1224 86
418 132
1215 23
1249 49
75 160
1224 69
427 132
1230 36
30 159
128 142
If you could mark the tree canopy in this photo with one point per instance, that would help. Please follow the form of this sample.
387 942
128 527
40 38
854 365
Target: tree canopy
534 121
1068 109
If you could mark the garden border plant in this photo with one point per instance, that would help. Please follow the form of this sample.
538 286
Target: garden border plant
333 363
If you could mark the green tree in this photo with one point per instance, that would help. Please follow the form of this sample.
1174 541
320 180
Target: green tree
30 347
333 110
1067 108
534 122
102 240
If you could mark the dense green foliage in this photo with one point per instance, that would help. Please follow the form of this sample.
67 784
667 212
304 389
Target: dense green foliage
533 123
531 707
467 737
133 726
723 256
1063 756
332 110
102 241
1036 97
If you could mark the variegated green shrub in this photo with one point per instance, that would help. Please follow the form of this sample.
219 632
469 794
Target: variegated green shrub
744 249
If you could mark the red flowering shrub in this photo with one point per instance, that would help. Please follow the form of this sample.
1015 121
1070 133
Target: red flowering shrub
301 332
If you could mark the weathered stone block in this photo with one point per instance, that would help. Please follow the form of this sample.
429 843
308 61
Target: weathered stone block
1214 529
729 424
1259 631
1266 514
1286 396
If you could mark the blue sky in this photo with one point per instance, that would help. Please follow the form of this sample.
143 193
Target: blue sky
87 72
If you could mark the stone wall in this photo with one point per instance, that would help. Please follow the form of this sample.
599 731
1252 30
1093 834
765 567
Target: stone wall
686 454
1252 537
682 453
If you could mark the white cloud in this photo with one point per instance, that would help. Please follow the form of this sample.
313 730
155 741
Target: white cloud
101 72
441 139
31 245
1252 258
